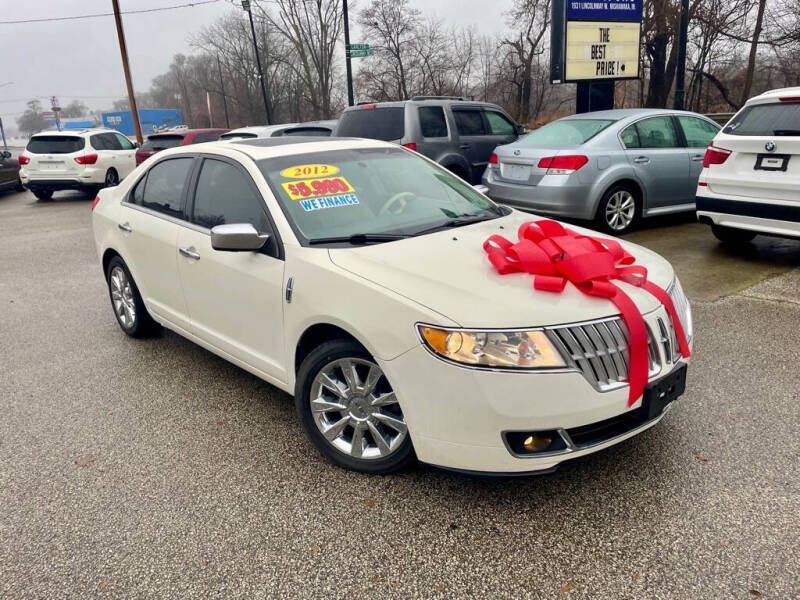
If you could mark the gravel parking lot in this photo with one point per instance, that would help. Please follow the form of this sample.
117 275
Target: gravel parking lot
154 469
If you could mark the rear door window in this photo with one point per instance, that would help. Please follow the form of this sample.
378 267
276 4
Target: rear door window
469 122
99 142
698 132
499 124
162 142
432 121
55 144
657 132
111 141
163 190
387 124
226 195
630 137
766 120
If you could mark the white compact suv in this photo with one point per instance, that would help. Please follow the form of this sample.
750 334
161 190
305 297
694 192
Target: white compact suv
86 159
750 183
353 273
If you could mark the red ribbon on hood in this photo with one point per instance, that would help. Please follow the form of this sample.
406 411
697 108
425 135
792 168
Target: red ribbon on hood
555 255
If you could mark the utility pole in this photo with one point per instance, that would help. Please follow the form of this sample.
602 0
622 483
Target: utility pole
347 54
246 7
224 99
680 71
123 49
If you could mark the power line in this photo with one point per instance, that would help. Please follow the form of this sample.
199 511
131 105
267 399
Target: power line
111 14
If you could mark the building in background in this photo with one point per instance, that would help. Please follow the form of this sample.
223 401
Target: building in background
151 119
77 123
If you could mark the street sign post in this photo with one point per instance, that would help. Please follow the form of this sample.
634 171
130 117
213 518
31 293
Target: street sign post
359 50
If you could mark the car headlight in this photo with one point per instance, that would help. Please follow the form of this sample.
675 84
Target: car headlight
682 307
499 349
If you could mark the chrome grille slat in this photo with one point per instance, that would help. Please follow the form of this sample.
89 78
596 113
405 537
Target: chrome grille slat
600 350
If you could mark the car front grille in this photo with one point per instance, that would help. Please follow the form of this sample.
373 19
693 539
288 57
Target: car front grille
600 349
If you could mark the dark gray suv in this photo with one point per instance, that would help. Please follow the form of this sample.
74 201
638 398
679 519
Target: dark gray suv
458 134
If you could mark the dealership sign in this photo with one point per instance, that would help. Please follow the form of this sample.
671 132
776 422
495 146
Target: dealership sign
593 40
601 50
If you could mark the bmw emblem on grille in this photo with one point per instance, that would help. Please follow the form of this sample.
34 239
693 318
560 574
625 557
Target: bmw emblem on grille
769 146
516 152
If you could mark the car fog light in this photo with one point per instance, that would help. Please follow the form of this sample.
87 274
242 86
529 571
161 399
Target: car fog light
537 442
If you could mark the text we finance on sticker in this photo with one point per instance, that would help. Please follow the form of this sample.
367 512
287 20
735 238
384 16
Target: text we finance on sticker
320 192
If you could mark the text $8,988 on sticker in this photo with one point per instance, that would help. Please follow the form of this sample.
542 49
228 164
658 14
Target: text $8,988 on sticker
325 186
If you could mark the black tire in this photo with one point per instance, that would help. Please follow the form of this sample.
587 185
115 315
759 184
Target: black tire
458 172
20 187
731 235
618 193
142 324
43 194
111 179
400 458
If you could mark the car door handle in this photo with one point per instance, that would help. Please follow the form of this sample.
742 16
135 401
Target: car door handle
697 157
465 146
189 253
641 160
125 227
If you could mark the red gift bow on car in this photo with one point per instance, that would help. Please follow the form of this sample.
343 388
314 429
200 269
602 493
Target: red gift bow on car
555 255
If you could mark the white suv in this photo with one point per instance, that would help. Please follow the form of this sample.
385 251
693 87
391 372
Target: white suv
750 182
87 159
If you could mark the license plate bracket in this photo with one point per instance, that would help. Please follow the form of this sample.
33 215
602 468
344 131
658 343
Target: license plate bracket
664 391
772 162
516 172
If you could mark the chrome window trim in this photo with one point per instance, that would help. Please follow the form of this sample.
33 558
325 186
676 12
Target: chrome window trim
171 219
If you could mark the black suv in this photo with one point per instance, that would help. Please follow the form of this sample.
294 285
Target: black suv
458 134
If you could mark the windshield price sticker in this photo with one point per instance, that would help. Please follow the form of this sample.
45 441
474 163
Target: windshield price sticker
303 171
308 188
312 204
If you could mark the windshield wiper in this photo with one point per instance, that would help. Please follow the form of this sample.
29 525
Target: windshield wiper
360 238
786 132
456 222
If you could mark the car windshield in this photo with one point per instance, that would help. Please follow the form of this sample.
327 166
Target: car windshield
566 132
55 144
385 124
162 142
766 120
370 191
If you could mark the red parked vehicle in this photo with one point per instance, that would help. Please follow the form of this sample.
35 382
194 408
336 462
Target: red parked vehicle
171 139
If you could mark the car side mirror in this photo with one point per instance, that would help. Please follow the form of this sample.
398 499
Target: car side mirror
237 237
520 129
6 154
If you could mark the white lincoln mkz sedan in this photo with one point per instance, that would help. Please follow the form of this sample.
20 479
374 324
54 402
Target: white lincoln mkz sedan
351 273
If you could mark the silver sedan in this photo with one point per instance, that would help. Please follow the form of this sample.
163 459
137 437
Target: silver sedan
613 166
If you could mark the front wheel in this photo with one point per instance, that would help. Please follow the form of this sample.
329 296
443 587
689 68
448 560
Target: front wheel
349 410
619 210
731 235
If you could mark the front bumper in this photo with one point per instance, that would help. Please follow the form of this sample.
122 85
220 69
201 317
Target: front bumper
768 217
460 417
556 195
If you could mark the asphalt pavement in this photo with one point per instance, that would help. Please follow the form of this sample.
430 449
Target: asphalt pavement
154 469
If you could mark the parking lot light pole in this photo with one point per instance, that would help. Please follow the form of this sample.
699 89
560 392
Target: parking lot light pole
246 7
123 49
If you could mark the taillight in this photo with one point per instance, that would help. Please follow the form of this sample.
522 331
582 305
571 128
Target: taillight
790 99
715 156
24 160
96 200
493 159
410 146
562 165
86 159
367 106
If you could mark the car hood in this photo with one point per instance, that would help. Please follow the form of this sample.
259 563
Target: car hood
449 273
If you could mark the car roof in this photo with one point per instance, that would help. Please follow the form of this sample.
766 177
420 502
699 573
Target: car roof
262 129
74 132
183 132
771 95
422 101
618 114
261 148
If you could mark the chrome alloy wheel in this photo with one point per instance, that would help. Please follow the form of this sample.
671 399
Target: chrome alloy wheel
122 297
356 410
620 210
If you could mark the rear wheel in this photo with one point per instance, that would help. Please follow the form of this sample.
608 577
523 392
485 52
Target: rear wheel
619 210
731 235
129 309
349 410
43 194
20 187
458 172
112 178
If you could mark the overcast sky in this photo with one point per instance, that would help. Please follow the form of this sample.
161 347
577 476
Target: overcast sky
79 59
